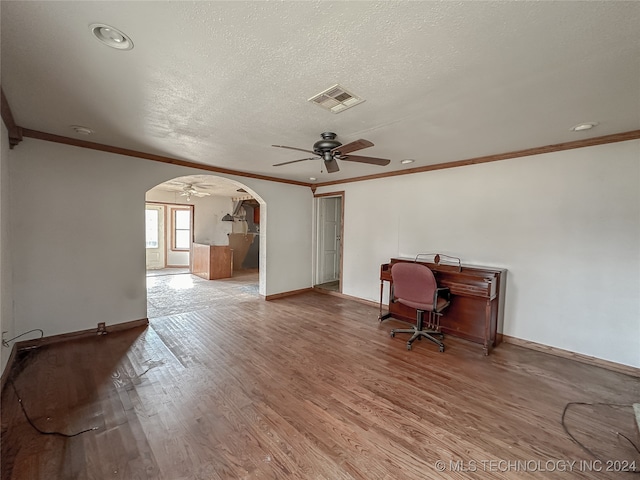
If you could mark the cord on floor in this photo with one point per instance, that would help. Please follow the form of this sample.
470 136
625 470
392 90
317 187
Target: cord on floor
43 432
564 426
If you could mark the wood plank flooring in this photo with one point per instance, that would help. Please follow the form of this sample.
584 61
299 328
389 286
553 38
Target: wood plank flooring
306 387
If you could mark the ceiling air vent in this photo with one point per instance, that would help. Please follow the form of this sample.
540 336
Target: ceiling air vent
336 99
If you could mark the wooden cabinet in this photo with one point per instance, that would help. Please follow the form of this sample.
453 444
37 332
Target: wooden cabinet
211 262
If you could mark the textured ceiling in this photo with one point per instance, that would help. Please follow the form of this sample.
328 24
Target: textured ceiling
219 82
211 184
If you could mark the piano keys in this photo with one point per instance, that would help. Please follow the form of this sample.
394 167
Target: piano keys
477 301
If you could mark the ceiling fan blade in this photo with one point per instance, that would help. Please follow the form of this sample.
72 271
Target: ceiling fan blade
294 148
353 146
370 160
332 166
294 161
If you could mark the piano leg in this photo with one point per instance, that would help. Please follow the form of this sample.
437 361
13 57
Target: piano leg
488 342
382 317
381 288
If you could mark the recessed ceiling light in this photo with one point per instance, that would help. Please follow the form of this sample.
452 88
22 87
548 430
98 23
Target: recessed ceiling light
111 37
313 179
407 160
81 130
583 126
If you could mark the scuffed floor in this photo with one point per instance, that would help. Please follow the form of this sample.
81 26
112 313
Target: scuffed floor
183 293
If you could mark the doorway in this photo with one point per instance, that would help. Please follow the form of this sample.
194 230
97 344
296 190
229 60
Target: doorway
329 228
203 211
154 229
169 234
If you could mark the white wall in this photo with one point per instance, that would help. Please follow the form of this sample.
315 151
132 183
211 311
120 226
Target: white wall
209 229
566 225
6 310
78 235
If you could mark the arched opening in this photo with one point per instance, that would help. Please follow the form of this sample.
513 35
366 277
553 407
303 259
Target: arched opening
203 243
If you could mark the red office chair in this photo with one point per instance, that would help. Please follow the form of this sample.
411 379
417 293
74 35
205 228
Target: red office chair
415 286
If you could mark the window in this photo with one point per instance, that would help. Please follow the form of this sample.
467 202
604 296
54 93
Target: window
181 228
151 222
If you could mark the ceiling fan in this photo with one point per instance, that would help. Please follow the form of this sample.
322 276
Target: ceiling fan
188 191
330 150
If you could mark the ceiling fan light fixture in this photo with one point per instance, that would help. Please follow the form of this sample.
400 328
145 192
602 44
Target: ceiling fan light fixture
189 191
110 36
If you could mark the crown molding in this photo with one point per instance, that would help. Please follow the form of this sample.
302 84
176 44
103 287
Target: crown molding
558 147
15 132
49 137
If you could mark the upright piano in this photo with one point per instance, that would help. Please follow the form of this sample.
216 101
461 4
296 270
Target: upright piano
477 303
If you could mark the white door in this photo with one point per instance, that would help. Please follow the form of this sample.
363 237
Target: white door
154 228
329 231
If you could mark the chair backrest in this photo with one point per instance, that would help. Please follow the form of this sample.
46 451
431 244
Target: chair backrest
413 282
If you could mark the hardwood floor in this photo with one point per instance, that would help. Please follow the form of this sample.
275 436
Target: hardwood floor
306 387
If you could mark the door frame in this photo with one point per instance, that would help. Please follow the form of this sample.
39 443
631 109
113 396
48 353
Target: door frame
162 230
167 223
318 198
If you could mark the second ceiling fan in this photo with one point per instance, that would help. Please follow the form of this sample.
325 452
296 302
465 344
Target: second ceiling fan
329 150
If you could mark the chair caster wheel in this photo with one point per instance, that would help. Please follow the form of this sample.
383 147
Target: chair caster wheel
392 334
408 346
442 349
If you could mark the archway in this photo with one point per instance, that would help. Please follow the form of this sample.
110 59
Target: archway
211 229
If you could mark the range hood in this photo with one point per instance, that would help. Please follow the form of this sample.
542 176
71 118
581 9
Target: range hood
237 206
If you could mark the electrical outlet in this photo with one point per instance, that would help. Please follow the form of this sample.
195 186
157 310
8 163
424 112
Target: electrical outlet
4 341
102 328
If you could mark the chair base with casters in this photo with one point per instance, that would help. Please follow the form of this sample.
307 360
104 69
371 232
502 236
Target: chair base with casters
419 332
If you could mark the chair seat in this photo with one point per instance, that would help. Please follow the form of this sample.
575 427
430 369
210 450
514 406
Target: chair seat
425 307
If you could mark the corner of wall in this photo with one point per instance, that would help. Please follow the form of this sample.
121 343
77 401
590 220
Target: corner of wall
6 297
